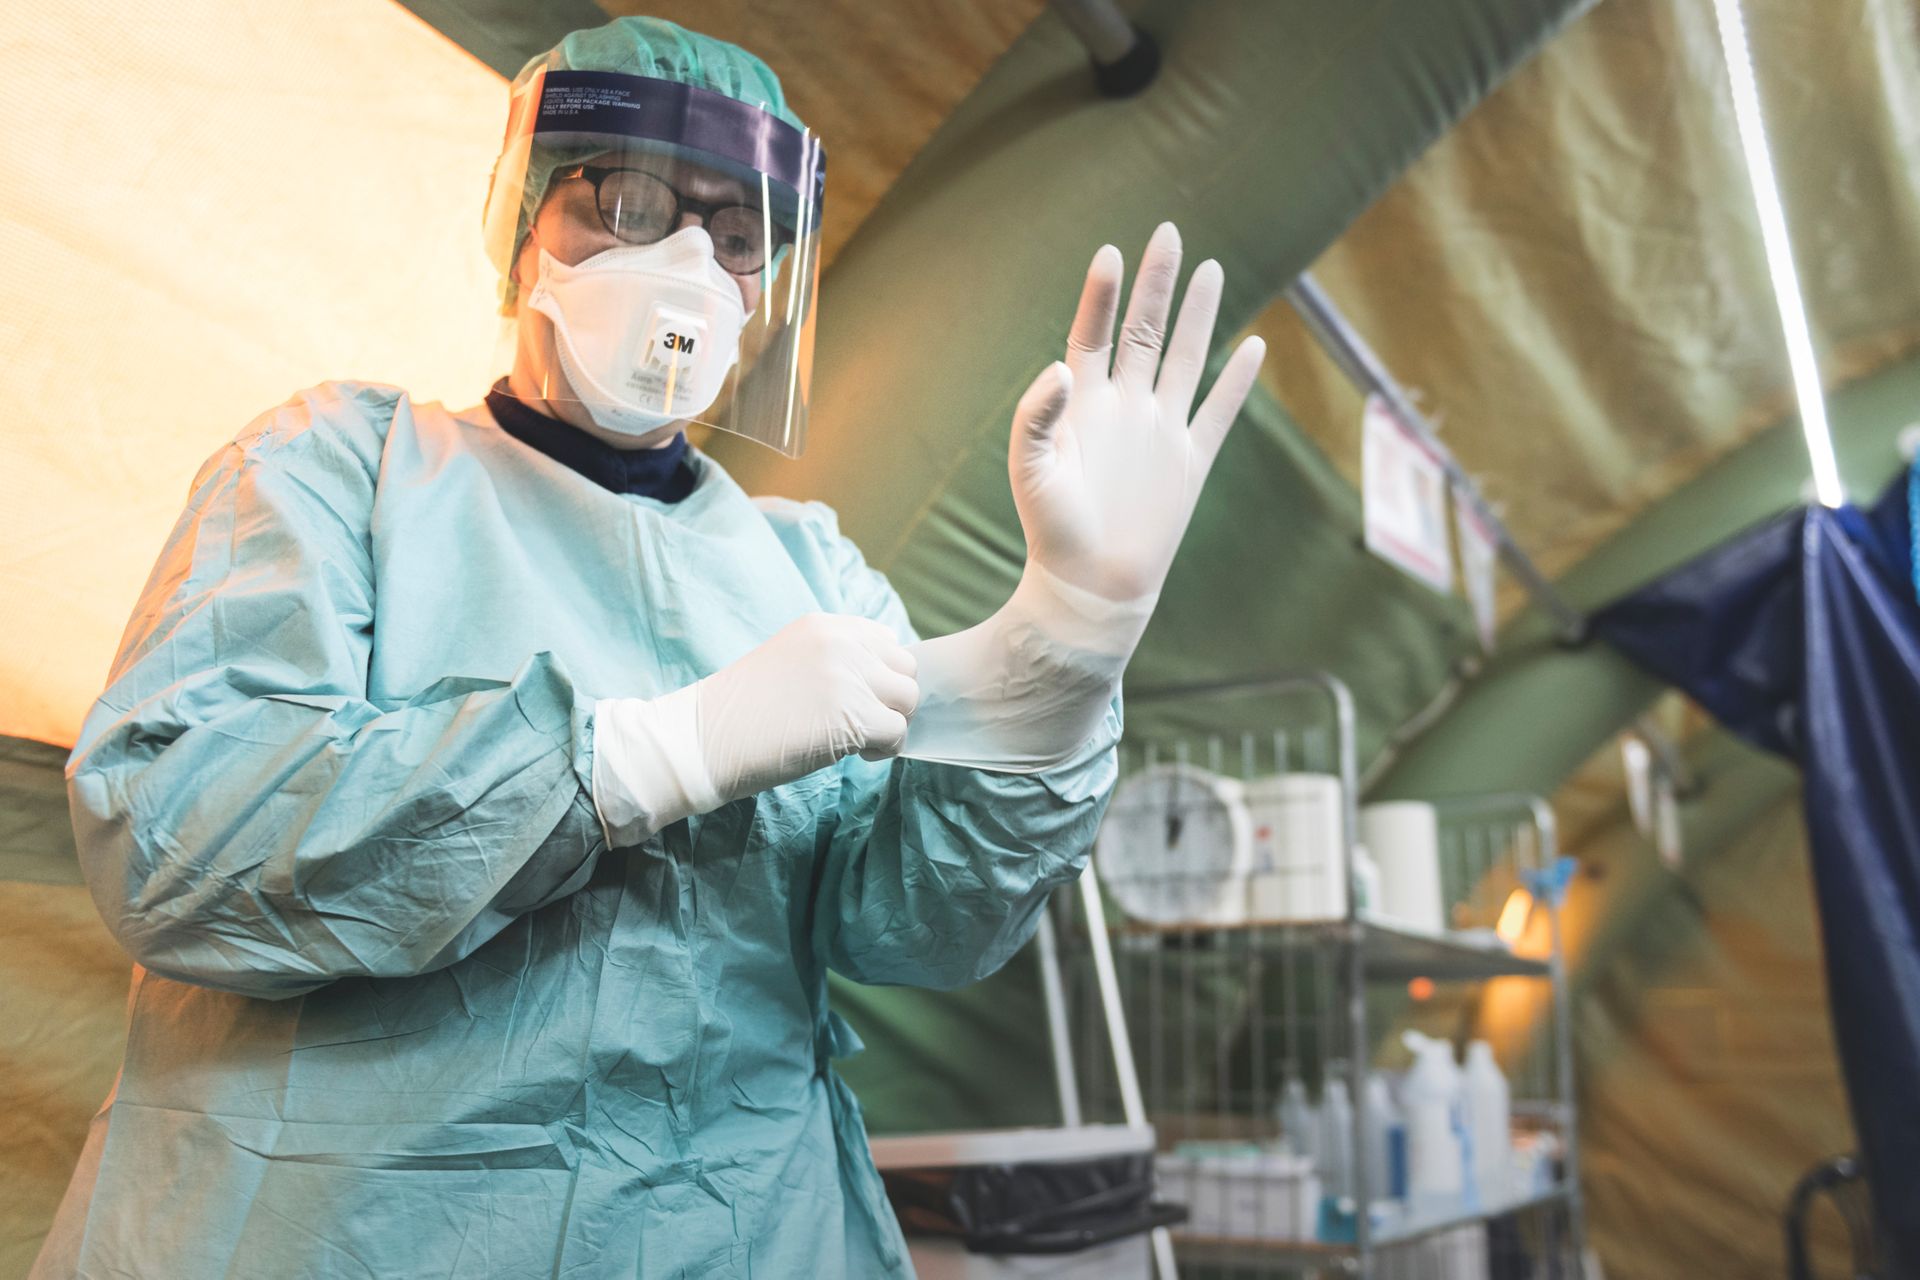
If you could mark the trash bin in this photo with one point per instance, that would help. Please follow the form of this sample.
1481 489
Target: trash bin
1003 1203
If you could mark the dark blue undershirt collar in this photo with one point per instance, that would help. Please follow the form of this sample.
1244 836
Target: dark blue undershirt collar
663 473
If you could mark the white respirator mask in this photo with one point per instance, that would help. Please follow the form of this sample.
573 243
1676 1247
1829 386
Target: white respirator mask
646 334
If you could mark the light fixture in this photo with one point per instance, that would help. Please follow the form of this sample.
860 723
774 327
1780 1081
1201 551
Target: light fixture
1773 237
1513 917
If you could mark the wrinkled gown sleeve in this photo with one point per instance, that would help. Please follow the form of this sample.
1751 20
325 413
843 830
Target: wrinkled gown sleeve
247 819
934 875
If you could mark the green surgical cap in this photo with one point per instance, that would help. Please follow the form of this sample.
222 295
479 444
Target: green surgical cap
641 47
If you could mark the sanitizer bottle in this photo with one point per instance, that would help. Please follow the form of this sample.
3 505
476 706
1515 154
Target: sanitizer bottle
1489 1118
1336 1135
1436 1154
1298 1123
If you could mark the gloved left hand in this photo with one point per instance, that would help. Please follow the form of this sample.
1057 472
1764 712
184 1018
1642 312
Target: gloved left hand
1104 462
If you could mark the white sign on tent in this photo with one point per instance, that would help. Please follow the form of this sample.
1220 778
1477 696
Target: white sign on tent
1403 489
1479 562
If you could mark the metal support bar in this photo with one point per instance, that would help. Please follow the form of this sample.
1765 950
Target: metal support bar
1548 827
1364 369
1054 992
1132 1105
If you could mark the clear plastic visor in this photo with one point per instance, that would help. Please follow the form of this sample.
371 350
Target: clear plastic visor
662 244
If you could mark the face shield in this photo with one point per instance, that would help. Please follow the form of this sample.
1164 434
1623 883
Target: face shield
667 241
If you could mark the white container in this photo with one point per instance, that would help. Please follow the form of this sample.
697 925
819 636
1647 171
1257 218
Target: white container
1336 1136
1404 839
1366 879
1298 867
1489 1110
1262 1195
1299 1126
1207 1196
1175 847
1457 1254
1430 1098
1290 1198
1244 1195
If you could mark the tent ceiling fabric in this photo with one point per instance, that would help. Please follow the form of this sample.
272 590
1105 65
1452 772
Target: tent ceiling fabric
1573 276
36 836
203 211
1538 706
1269 129
873 80
504 34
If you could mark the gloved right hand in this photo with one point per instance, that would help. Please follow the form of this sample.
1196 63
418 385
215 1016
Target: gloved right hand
822 688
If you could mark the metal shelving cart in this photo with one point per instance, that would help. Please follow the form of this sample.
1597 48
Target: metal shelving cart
1231 1007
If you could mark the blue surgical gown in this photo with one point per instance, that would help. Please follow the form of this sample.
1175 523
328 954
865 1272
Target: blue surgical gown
398 1011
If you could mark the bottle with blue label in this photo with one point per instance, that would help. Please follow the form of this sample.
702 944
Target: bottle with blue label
1386 1134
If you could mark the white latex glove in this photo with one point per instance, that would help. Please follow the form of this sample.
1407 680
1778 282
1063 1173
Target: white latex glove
1105 465
822 688
1106 469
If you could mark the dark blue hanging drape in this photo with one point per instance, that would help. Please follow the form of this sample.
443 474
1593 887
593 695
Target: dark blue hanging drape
1803 637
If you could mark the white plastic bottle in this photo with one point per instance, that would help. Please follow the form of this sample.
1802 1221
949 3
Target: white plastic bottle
1299 1126
1366 881
1436 1165
1386 1133
1489 1107
1336 1134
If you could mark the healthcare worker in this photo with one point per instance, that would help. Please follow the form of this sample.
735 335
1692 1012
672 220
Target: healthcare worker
484 795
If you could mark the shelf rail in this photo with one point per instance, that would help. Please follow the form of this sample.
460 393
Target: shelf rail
1220 1003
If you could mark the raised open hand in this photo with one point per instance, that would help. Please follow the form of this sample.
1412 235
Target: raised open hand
1104 462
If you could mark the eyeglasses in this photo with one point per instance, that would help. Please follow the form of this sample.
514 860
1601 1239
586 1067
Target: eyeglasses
641 208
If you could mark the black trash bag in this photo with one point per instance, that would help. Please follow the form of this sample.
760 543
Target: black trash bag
1040 1208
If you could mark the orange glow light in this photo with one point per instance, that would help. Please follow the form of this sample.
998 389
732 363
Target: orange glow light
1421 989
1513 917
